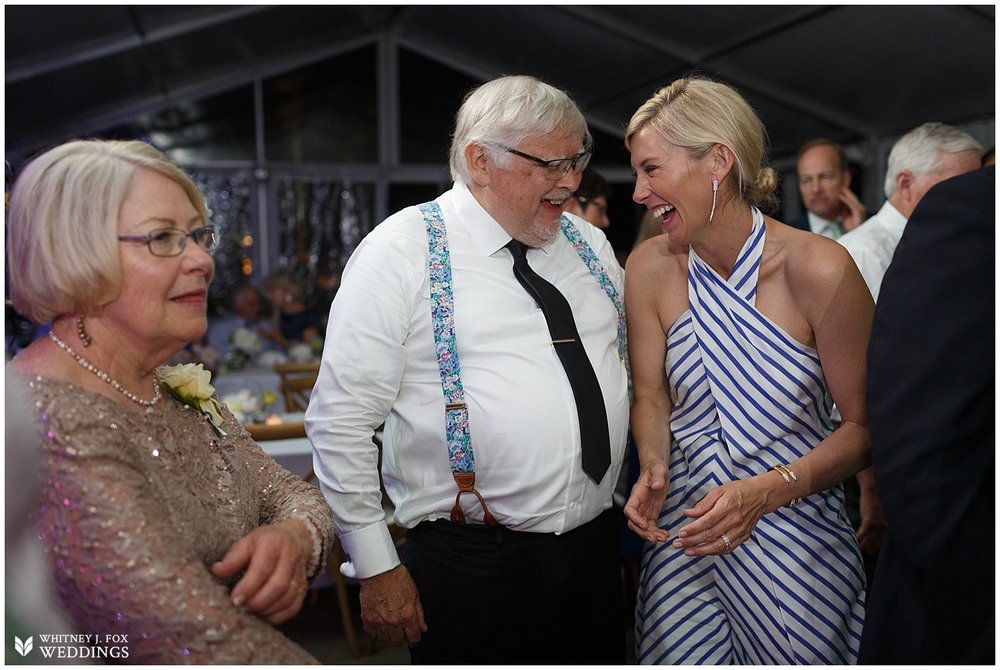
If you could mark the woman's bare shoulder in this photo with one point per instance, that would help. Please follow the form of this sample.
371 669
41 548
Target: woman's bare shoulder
657 255
810 261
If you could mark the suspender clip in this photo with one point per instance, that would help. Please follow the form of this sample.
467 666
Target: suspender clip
467 484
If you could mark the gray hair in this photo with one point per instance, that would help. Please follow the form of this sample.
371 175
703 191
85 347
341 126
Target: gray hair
507 110
919 151
62 225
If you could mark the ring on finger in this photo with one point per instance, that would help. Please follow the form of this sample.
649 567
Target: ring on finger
729 543
294 585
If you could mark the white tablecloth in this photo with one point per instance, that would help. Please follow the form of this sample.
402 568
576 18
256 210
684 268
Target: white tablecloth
293 455
256 380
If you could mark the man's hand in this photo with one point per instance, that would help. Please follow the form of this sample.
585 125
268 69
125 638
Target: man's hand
390 607
853 213
871 530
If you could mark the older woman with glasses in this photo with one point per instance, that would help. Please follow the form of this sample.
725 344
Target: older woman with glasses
164 524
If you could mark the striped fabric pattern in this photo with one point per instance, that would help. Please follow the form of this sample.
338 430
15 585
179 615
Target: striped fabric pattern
747 397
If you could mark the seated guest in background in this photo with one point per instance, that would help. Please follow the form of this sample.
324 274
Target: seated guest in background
247 313
831 207
525 568
161 519
295 321
325 288
590 201
749 557
919 159
19 332
931 403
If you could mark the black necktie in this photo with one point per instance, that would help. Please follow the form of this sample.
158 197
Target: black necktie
565 338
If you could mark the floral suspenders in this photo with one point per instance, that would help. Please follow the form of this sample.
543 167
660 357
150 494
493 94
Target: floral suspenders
460 454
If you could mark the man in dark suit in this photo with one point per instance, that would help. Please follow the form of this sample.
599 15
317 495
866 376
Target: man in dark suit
931 414
831 207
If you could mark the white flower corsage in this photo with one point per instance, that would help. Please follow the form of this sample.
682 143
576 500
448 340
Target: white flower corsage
191 384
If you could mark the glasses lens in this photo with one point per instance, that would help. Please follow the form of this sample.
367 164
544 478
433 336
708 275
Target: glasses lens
556 169
165 242
580 162
207 238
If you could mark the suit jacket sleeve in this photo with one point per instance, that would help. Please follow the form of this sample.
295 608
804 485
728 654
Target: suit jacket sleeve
931 378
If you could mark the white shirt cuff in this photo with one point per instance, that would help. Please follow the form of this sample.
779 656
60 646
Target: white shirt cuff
370 551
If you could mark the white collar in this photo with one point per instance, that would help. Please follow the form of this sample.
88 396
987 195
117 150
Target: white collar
818 224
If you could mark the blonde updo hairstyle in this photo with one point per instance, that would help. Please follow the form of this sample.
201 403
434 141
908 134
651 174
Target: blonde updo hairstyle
62 228
696 114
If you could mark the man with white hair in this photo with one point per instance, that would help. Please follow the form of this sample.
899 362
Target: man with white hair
485 328
920 159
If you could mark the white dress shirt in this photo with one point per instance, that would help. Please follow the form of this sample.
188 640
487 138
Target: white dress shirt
379 363
825 227
873 243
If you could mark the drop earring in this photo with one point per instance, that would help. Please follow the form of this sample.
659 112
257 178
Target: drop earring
81 332
715 193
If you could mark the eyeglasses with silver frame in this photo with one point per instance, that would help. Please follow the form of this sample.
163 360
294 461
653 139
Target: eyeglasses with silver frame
557 168
171 241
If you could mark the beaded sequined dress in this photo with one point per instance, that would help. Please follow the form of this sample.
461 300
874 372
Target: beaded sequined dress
136 507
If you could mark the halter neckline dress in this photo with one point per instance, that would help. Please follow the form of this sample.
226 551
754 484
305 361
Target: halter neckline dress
746 396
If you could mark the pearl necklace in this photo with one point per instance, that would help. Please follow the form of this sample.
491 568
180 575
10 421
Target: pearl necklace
106 377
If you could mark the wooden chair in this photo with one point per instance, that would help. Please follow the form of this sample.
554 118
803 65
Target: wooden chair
297 381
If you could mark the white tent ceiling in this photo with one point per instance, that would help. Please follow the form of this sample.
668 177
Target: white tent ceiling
852 73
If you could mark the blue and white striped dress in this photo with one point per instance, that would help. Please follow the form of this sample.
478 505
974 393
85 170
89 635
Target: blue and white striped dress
747 397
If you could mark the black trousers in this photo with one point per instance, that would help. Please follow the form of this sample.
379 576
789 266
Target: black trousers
496 596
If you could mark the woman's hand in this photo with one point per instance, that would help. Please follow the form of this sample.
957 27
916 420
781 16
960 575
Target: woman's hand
646 501
275 559
728 512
